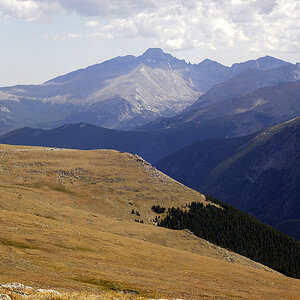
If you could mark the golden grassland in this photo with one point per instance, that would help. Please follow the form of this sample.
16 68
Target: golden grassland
66 224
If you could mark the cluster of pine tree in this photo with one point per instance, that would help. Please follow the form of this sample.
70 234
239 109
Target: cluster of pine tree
158 209
239 232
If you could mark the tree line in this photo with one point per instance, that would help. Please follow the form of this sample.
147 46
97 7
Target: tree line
239 232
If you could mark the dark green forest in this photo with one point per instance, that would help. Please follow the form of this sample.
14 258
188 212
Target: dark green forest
158 209
239 232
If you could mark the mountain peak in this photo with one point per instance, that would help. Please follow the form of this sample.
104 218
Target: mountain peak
262 63
154 52
208 62
157 58
269 58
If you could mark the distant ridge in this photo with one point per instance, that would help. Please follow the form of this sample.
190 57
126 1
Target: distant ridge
247 81
86 136
262 63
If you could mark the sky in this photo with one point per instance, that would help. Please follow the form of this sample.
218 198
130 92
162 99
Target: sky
41 39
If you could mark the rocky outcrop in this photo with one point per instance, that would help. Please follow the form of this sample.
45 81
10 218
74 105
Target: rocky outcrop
15 289
4 297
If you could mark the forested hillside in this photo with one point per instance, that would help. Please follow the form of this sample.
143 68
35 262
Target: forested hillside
237 231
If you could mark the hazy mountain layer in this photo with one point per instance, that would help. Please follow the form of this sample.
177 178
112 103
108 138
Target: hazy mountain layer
231 118
246 82
241 115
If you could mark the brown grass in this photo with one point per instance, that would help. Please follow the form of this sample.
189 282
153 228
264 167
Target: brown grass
66 224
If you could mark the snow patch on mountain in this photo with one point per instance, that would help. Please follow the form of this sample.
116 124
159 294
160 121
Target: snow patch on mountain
60 99
4 109
297 73
250 106
5 96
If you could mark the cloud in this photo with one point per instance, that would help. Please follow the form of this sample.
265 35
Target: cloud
29 10
55 37
92 24
216 24
179 27
59 37
111 8
74 35
260 25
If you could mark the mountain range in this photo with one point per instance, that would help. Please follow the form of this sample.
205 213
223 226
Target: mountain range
230 118
258 173
246 82
232 96
233 117
121 93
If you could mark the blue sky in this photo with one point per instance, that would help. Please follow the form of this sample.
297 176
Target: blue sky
41 39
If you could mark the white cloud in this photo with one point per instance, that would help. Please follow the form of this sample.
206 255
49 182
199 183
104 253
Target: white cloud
59 37
92 24
216 24
74 35
175 44
29 10
55 37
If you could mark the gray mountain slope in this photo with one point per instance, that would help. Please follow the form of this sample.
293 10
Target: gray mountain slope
263 63
246 82
279 102
235 117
